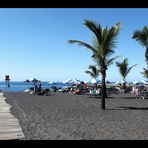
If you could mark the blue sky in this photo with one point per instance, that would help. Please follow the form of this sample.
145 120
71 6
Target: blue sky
33 42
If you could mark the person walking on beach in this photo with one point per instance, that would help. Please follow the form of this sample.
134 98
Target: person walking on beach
136 91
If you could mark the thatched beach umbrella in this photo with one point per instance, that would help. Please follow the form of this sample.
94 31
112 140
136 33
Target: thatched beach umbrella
51 82
71 81
93 81
27 80
34 80
140 82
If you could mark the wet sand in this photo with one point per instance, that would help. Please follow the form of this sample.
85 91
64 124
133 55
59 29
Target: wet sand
75 117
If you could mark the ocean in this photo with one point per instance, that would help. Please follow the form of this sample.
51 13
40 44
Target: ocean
22 86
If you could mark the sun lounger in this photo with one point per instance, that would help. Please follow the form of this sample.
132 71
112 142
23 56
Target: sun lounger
93 93
90 95
144 94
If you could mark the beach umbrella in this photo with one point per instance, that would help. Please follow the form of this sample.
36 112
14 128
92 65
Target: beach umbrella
67 81
145 82
140 82
119 82
72 81
27 80
51 82
34 80
75 81
92 81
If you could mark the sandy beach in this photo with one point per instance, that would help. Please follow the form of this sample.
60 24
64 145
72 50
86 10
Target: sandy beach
62 116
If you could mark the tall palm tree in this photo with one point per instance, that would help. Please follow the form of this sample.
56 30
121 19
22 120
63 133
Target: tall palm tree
142 37
93 72
102 48
124 70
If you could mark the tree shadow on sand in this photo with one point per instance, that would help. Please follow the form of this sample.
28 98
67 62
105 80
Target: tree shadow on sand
128 98
130 108
99 97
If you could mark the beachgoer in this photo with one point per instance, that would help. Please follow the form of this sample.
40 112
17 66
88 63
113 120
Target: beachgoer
36 89
137 91
98 91
40 87
133 89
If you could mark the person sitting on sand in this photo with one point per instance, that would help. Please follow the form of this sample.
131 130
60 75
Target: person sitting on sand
144 89
72 90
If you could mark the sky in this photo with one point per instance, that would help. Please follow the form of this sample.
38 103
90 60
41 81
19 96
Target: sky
33 42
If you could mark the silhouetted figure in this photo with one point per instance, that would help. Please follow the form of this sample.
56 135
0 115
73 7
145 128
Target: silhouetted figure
40 88
36 89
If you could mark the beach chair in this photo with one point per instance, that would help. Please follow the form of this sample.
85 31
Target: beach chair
139 94
93 93
144 94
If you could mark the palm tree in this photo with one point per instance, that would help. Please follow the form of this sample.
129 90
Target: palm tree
124 70
93 72
102 48
142 37
145 73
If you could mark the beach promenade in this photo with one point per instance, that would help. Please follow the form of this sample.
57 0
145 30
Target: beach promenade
9 125
62 116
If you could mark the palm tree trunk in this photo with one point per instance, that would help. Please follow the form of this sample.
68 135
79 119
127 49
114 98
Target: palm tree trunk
96 84
104 94
146 57
124 85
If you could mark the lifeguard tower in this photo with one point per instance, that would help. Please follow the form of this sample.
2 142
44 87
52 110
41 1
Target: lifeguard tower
7 80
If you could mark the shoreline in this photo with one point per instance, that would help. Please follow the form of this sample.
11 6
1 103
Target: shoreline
76 117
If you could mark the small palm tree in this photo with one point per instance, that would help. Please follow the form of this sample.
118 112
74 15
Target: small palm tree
102 48
124 70
93 72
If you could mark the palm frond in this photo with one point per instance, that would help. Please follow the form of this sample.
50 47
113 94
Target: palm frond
110 61
123 67
141 36
129 69
80 43
145 73
94 71
103 43
109 40
90 73
95 28
146 54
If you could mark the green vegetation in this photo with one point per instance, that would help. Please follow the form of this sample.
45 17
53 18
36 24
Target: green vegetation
93 72
124 70
102 48
141 36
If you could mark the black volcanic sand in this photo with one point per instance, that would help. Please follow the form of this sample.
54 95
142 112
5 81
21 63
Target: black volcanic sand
74 117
